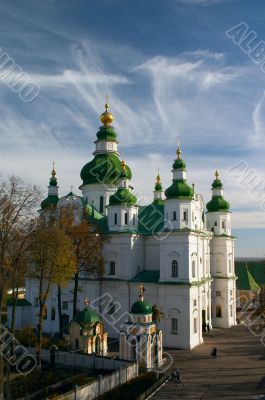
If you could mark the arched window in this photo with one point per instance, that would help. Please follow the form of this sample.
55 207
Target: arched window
193 268
174 268
230 266
218 311
218 265
174 326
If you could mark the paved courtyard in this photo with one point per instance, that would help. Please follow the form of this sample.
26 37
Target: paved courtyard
238 372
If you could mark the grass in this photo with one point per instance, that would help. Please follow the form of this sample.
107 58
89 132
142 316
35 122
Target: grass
41 380
133 389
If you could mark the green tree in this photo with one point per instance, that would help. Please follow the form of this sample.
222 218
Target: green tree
18 205
87 243
52 263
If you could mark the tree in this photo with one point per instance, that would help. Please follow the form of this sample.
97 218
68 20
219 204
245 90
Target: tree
18 204
52 262
87 243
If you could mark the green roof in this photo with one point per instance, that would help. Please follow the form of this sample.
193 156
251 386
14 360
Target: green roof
158 187
147 277
103 169
179 164
151 218
53 181
141 307
217 184
256 271
245 280
106 133
179 190
123 196
218 203
86 316
19 303
51 200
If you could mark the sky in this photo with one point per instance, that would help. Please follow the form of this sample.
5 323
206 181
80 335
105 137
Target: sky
172 72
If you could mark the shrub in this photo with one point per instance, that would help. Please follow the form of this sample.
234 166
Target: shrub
26 336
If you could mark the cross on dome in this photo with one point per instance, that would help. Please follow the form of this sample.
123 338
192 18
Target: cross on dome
53 173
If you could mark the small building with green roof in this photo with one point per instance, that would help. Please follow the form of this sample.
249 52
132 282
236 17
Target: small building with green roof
140 339
86 332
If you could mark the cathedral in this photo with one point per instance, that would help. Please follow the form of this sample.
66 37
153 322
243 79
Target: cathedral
180 250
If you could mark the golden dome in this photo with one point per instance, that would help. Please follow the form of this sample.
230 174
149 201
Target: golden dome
158 179
217 174
53 173
178 152
106 117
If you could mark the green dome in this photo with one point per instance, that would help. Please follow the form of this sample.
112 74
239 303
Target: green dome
158 187
106 133
179 164
86 316
218 203
141 307
123 196
104 168
51 200
179 190
53 181
217 184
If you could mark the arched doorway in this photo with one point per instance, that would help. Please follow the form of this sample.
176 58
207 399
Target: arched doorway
97 345
133 349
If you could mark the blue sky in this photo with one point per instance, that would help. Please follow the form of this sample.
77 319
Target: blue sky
170 72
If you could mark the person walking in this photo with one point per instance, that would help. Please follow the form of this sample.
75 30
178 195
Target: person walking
214 352
208 327
179 378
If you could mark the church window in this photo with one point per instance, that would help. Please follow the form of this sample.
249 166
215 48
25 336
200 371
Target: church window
133 219
231 310
218 293
101 204
115 219
218 311
215 223
223 224
194 302
195 325
36 301
112 266
53 313
111 308
185 216
193 267
174 216
174 267
218 265
126 218
174 326
230 266
65 305
231 292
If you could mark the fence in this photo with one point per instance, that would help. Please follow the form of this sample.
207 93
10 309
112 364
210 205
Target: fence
124 371
90 361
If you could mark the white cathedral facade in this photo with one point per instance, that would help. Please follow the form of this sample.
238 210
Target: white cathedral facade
182 252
